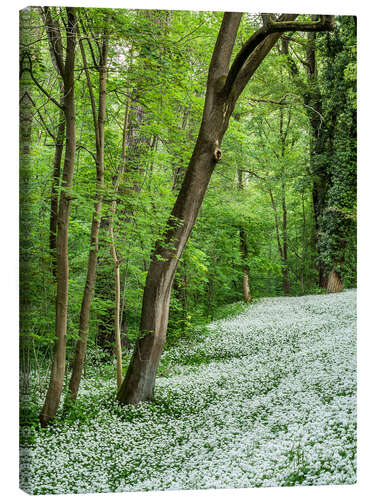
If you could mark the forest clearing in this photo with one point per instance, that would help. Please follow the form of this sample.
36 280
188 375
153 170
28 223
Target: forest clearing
264 398
187 249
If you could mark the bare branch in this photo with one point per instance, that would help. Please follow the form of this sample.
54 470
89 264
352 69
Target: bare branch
251 172
42 89
281 101
51 134
86 149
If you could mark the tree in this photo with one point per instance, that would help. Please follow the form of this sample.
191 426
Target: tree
244 249
337 220
225 84
66 69
98 114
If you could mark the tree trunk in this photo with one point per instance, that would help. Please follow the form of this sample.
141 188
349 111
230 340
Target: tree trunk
285 279
88 293
244 251
303 252
224 86
282 249
140 378
58 364
59 147
116 263
285 267
313 100
334 283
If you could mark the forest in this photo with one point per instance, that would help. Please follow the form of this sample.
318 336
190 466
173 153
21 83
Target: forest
187 204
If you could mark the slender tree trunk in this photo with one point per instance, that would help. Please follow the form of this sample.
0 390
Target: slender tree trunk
303 252
139 382
59 147
244 251
281 247
245 267
285 267
88 293
211 285
116 262
58 364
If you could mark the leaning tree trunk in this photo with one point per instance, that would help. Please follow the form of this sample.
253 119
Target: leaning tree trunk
224 86
140 378
58 363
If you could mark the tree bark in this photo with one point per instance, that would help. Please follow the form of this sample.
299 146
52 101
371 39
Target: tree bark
58 363
334 283
313 99
223 89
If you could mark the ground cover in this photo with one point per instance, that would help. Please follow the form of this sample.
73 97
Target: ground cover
264 398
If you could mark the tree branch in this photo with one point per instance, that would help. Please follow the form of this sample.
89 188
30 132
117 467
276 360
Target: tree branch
271 30
305 63
86 149
302 41
324 23
30 70
89 42
55 41
89 85
51 134
253 174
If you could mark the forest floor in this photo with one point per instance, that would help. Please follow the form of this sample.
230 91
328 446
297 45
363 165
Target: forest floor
265 398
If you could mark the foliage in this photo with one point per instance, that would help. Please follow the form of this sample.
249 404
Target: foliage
338 241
